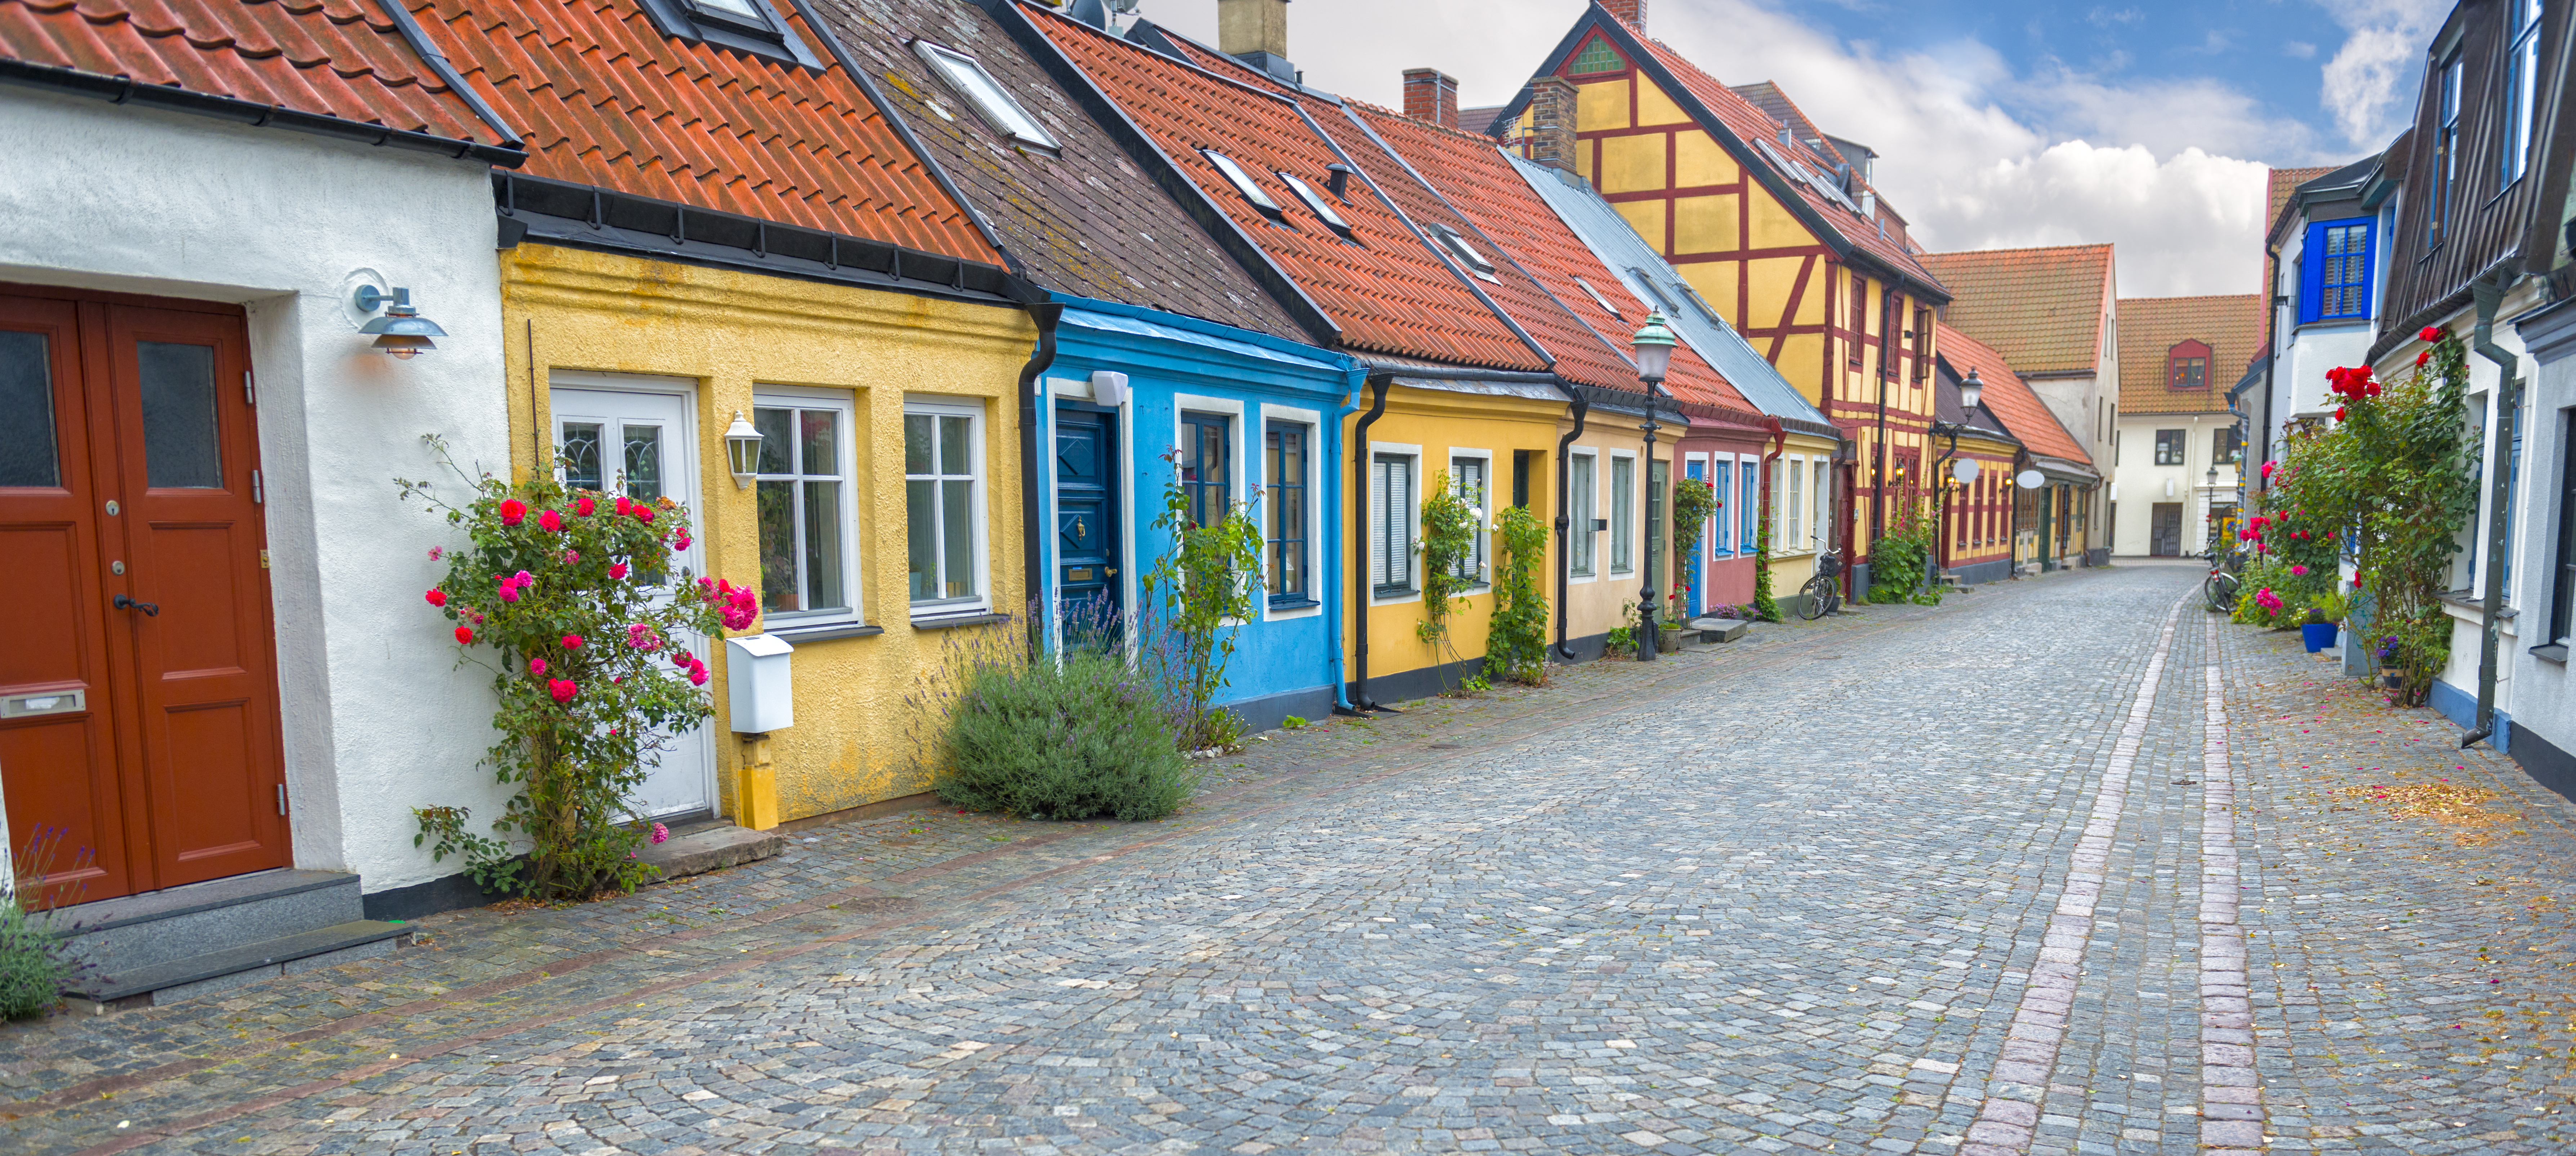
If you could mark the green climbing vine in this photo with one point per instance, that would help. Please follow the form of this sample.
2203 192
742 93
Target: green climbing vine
1448 538
1516 635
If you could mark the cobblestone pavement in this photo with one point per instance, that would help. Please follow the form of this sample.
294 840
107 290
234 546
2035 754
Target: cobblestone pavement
2059 866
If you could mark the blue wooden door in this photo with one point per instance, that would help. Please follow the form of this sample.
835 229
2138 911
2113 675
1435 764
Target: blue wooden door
1086 518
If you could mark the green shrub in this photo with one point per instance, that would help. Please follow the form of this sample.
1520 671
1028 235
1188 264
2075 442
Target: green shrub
32 967
1075 739
1292 722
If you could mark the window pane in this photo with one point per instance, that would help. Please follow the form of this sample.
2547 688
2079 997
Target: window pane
956 452
921 531
778 586
989 97
957 531
918 429
180 447
643 462
818 444
580 450
777 427
741 8
28 455
822 545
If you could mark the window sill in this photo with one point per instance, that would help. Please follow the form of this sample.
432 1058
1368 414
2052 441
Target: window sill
953 621
2554 652
1393 592
1294 604
798 635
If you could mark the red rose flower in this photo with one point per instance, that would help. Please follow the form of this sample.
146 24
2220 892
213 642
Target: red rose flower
464 635
617 571
563 689
512 511
2338 413
643 513
584 506
572 642
552 521
625 505
436 596
2431 333
2423 357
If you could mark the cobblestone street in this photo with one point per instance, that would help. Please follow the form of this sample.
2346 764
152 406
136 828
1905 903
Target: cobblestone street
2097 874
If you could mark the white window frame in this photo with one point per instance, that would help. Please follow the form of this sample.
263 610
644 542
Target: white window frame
1820 499
1237 470
1413 521
979 503
1012 120
1583 563
1316 464
1634 524
1704 552
1482 555
842 401
1794 505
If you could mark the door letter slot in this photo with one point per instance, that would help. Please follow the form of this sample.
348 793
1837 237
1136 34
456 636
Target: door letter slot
54 702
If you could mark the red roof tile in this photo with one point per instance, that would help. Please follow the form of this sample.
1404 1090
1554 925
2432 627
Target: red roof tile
605 99
1755 128
2231 326
2043 307
2008 397
338 58
1589 341
1386 289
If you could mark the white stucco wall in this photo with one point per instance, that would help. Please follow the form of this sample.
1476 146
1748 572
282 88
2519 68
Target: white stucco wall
2544 693
96 196
2141 484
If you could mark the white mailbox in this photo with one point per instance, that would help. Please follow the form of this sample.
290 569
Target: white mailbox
760 694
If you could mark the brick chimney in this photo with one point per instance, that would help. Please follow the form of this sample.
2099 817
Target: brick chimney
1551 113
1632 12
1431 95
1256 32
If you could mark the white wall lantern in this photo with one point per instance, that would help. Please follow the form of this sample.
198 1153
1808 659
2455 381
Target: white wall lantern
759 693
1108 387
742 451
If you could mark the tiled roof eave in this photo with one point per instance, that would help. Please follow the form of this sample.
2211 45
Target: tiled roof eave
127 91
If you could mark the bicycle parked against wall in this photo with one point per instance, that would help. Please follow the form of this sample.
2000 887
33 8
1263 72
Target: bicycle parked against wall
1823 594
2220 588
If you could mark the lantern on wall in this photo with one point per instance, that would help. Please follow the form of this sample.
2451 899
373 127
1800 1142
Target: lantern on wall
742 450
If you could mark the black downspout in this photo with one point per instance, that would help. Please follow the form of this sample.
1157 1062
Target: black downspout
1378 383
1032 535
1565 522
2489 292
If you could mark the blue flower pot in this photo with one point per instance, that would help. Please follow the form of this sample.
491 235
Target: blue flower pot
2318 635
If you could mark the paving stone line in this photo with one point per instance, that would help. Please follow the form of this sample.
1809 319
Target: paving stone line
2231 1094
2021 1077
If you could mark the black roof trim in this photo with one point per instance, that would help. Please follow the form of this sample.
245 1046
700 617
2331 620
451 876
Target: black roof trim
587 217
125 90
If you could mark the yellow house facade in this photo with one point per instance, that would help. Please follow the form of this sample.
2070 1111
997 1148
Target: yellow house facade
881 395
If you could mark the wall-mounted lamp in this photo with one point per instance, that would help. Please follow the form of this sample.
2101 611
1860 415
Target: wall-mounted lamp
402 331
742 450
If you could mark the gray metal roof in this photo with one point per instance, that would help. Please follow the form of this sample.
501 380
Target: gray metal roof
1651 279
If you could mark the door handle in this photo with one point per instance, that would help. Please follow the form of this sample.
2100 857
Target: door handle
149 610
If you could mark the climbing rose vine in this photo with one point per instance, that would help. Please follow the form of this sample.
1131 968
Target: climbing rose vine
576 606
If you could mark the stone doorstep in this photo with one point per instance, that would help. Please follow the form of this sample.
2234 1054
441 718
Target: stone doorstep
1720 629
712 849
223 970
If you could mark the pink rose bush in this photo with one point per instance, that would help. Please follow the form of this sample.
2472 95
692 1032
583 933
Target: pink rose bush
541 574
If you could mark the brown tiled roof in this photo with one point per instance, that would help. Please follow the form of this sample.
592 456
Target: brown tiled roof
2008 397
1385 288
2042 307
1471 172
1086 222
2232 327
1751 125
606 99
337 58
2283 182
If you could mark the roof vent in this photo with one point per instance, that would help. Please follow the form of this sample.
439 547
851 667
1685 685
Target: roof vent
1338 178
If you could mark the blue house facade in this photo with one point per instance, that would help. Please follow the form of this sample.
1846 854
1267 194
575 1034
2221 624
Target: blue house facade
1138 400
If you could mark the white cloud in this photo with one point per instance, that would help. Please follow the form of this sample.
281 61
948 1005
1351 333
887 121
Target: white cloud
1974 153
2382 48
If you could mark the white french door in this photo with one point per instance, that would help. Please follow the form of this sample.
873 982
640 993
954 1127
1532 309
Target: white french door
636 436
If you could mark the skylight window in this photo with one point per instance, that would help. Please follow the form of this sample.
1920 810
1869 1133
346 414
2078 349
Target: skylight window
744 10
1604 302
1242 182
1315 202
1457 242
987 95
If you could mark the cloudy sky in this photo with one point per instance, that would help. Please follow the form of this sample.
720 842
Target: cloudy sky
2146 123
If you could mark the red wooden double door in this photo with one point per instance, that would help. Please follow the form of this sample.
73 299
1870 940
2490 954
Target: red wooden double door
138 681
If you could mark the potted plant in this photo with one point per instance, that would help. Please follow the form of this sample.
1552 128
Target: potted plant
2325 617
2391 675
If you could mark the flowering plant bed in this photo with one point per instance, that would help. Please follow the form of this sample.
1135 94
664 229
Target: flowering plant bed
572 599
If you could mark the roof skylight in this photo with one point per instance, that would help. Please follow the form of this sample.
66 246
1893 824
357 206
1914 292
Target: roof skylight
1315 202
1457 243
1613 310
986 94
1242 182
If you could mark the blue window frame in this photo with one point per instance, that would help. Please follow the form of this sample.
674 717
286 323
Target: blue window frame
2522 70
2335 270
1748 502
1723 481
1207 468
1284 471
